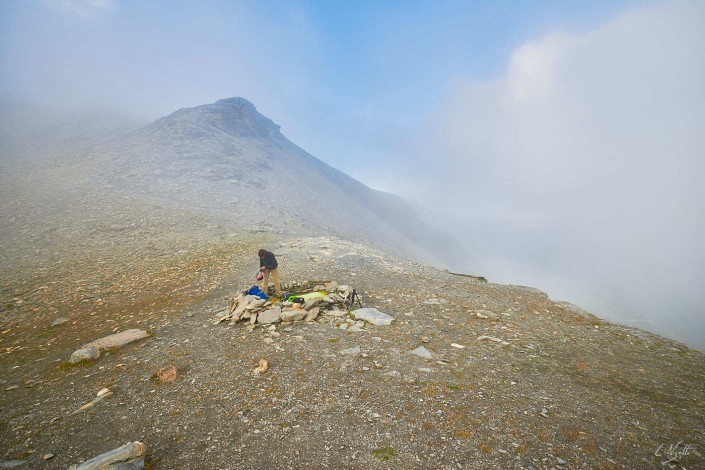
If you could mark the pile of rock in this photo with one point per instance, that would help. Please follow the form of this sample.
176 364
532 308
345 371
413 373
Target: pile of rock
333 300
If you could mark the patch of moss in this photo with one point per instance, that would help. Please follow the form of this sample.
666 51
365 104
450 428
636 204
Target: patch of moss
333 340
384 453
44 334
150 463
68 365
462 434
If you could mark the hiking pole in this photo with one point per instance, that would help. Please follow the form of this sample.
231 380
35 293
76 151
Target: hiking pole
352 299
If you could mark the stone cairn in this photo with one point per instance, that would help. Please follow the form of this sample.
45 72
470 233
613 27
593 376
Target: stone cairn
335 302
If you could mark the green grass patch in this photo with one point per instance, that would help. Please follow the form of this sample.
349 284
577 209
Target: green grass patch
384 453
46 333
68 366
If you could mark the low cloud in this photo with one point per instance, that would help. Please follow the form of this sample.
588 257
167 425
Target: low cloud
579 170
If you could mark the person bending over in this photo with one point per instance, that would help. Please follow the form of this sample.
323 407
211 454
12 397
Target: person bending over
268 264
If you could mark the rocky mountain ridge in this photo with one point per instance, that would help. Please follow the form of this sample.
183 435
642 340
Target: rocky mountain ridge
228 160
469 374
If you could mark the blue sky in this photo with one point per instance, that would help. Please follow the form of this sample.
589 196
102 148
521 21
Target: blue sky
561 141
344 79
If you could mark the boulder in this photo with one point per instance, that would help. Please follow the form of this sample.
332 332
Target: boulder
372 315
128 457
312 314
331 286
90 353
118 339
292 315
273 315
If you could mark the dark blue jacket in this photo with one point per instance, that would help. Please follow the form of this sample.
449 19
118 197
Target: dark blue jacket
268 261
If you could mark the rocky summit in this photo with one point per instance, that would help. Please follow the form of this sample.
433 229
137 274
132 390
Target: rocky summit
140 251
227 160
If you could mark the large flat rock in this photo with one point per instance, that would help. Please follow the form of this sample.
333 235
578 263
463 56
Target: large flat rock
117 340
372 315
273 315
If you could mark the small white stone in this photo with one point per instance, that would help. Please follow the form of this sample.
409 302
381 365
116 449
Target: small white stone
351 351
422 352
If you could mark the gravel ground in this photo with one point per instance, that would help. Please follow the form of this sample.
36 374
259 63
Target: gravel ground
532 385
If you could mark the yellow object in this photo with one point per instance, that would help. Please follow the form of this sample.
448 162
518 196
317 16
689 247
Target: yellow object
313 295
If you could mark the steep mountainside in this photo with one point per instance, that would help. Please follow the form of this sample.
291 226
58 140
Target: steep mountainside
228 160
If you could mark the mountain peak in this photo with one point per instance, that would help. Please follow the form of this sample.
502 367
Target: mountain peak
234 103
234 116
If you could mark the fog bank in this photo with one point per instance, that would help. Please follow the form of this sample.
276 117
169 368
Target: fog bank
579 169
